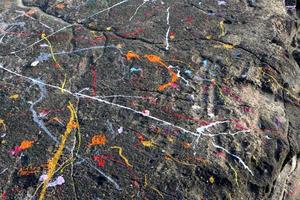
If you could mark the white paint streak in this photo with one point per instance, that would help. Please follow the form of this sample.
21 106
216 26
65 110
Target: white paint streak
145 1
235 156
168 31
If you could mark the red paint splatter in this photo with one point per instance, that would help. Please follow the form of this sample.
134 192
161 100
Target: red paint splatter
189 20
3 196
100 160
220 154
240 127
15 151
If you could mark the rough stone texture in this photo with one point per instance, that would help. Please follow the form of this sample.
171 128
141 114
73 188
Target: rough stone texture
228 129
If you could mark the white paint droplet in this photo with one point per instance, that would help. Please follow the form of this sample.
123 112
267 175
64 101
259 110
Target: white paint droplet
35 63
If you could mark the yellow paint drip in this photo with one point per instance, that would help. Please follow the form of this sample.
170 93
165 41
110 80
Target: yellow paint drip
222 27
235 175
224 46
14 97
209 37
63 84
44 37
158 192
2 122
153 188
52 163
147 143
122 156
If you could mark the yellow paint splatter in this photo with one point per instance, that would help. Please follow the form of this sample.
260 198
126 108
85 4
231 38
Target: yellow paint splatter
170 139
122 156
228 46
209 37
280 86
153 188
44 37
63 84
146 181
222 27
224 46
2 123
212 180
235 175
148 143
158 192
14 97
52 163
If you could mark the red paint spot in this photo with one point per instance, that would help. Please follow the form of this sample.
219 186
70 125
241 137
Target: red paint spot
225 90
240 127
16 151
189 20
3 196
135 184
57 65
100 160
220 154
246 109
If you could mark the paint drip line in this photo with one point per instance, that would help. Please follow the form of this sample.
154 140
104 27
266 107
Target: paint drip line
145 1
3 171
168 31
107 9
69 26
103 101
200 130
36 118
41 124
232 134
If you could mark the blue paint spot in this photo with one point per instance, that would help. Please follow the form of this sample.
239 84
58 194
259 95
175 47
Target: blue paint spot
188 72
135 69
205 63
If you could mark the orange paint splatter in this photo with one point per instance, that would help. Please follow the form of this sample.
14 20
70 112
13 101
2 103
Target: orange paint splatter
130 55
31 11
60 6
186 145
26 171
157 59
98 140
154 59
26 144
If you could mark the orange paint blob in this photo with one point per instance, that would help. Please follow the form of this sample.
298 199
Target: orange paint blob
153 58
60 6
130 55
26 144
98 140
31 11
157 59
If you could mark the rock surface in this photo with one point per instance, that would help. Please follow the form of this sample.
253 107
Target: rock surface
177 99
